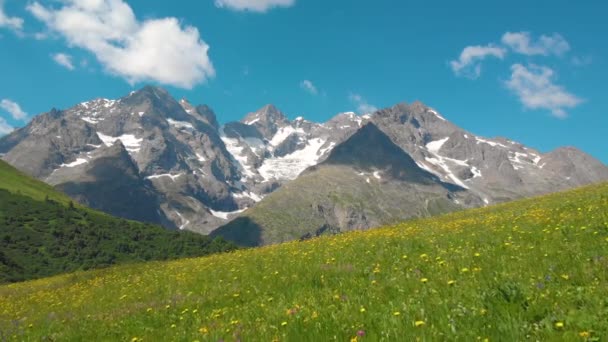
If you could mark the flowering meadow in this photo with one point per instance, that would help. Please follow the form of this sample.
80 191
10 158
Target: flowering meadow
535 269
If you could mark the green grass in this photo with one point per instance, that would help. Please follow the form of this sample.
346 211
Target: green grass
534 269
18 182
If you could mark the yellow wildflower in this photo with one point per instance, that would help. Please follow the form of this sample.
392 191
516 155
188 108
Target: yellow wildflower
559 325
419 323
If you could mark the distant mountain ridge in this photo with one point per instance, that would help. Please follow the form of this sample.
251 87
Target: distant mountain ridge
187 171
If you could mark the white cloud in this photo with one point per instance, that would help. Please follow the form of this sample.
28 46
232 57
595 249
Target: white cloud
363 107
5 128
13 109
12 23
260 6
309 87
469 62
522 42
535 88
161 50
63 60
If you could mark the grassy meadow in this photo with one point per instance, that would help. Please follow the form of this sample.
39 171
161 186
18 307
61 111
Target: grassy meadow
535 269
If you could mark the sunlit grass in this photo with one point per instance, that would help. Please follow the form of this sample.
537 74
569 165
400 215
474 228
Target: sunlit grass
530 270
16 181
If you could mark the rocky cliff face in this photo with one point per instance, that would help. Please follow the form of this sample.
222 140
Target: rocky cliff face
171 162
365 181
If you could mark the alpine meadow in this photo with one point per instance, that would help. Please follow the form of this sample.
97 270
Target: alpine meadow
531 269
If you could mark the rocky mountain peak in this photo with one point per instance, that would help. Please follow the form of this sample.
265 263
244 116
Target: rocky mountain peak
265 115
371 149
267 120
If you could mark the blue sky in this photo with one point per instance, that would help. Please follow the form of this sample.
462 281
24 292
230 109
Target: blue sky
531 71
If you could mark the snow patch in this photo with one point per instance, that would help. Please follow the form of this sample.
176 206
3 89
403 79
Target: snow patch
437 114
78 161
441 162
108 103
240 160
290 166
327 149
180 124
254 143
435 146
282 134
491 143
131 143
184 222
173 177
91 120
247 194
225 214
252 121
428 169
476 172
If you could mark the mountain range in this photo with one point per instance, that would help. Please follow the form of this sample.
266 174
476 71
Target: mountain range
266 178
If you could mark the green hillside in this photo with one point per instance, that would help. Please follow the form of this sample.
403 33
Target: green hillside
316 199
534 269
18 182
42 234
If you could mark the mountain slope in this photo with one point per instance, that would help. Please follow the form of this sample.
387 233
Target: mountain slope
534 269
179 162
18 182
365 182
189 172
496 170
42 234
